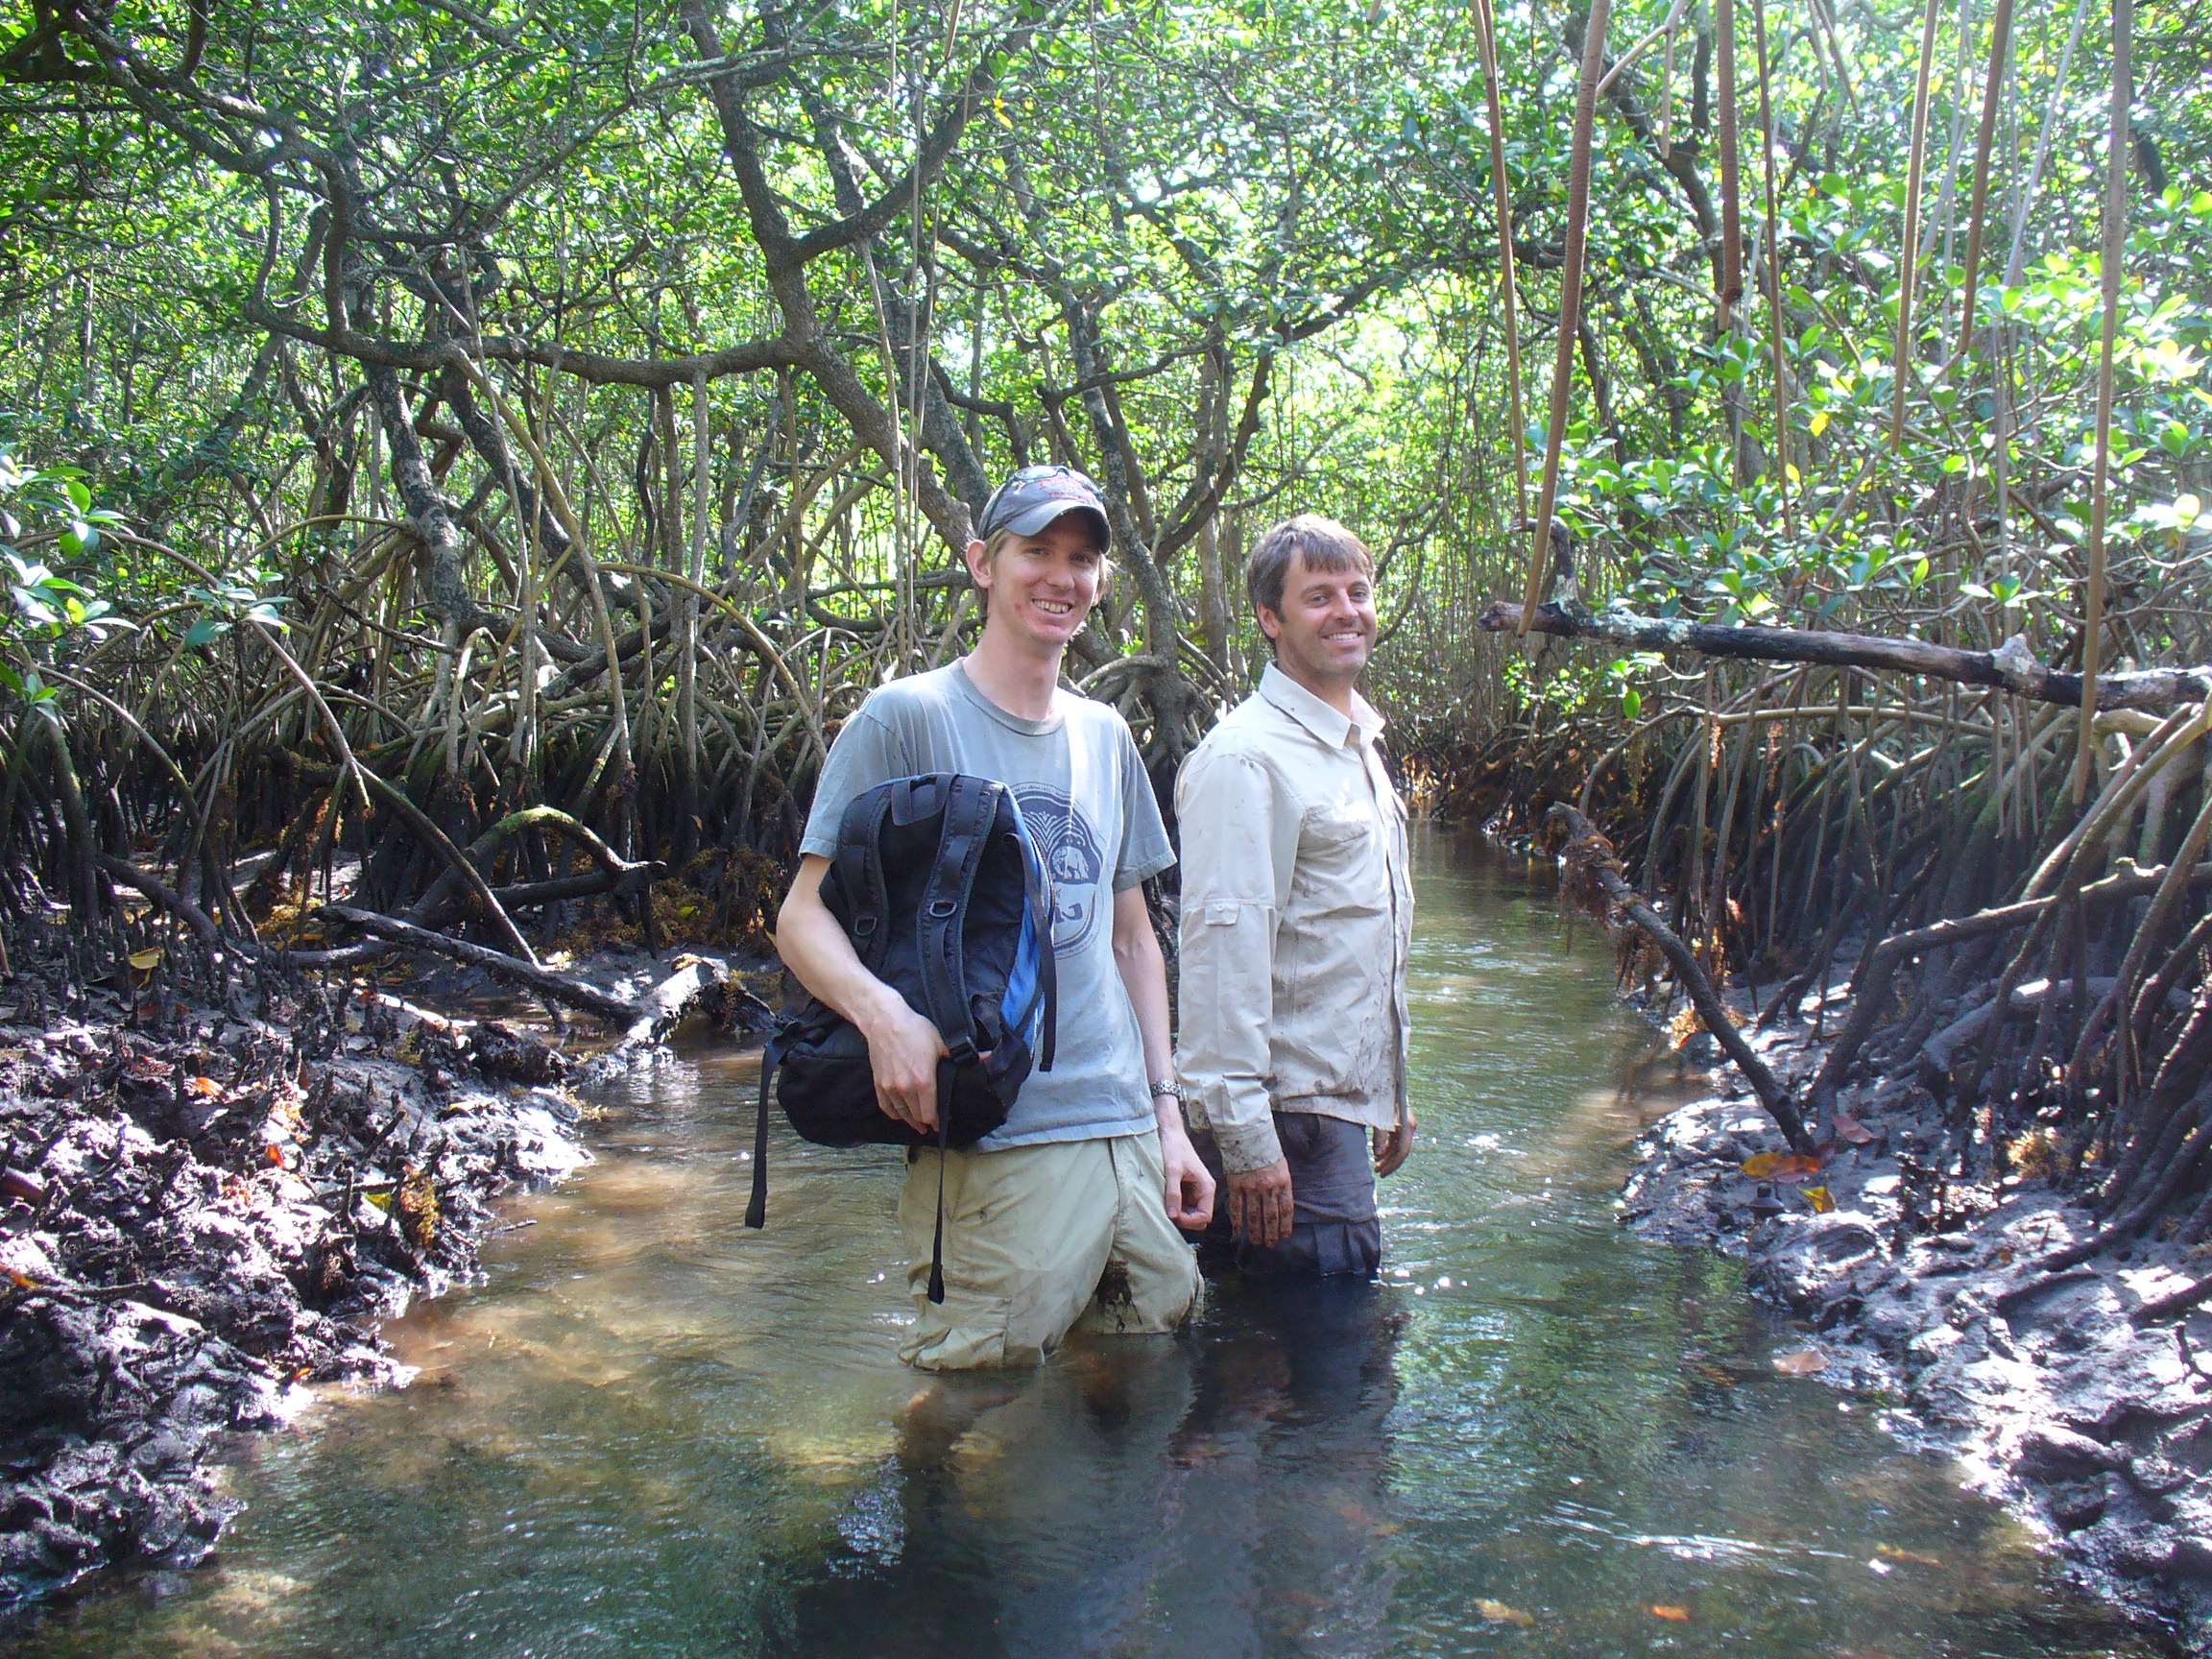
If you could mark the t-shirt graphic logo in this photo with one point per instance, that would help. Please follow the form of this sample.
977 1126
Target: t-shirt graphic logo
1072 857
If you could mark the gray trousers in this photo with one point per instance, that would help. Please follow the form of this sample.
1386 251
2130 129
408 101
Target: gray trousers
1334 1226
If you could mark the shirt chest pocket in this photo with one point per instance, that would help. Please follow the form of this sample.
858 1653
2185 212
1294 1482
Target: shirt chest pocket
1339 868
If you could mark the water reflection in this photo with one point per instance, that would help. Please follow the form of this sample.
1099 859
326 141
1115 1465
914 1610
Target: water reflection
652 1433
1227 1496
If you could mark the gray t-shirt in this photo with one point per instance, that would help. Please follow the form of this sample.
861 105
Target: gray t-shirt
1083 791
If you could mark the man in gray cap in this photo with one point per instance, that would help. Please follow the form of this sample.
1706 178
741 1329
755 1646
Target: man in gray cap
1068 1214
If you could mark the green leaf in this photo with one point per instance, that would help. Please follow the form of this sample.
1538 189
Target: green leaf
205 632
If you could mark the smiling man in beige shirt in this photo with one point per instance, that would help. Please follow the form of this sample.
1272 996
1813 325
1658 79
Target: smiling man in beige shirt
1297 915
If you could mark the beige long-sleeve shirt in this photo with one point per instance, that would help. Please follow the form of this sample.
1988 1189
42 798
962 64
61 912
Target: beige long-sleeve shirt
1297 915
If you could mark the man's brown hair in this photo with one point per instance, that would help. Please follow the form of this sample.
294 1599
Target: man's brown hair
1323 544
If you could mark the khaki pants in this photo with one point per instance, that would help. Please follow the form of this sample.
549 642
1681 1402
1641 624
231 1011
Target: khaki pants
1040 1240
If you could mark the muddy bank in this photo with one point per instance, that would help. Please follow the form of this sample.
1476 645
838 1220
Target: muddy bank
203 1218
1919 1293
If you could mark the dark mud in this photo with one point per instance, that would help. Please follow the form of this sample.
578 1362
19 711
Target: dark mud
201 1220
1916 1293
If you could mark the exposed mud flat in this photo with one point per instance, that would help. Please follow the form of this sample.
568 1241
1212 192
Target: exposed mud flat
204 1210
204 1219
1920 1294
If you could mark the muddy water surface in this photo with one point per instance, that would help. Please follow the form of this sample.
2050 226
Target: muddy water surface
650 1433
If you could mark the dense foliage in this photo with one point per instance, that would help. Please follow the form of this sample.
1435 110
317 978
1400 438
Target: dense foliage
427 358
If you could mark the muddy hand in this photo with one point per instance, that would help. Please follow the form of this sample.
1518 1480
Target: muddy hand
1260 1205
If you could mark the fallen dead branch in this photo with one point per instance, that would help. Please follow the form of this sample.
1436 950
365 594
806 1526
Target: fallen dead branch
1593 871
558 987
2009 668
699 989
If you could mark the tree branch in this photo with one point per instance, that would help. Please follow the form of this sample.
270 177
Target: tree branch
2009 668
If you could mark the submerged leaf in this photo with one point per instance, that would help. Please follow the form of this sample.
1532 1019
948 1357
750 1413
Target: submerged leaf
1498 1613
1663 1610
1890 1553
1803 1364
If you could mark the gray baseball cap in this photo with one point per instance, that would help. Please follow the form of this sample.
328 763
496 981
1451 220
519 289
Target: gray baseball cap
1036 495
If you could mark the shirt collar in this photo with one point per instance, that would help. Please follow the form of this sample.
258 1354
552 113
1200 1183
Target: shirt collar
1315 715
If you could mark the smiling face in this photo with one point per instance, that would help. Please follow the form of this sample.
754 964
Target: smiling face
1041 586
1326 628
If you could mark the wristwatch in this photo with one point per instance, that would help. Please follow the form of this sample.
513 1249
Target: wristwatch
1168 1086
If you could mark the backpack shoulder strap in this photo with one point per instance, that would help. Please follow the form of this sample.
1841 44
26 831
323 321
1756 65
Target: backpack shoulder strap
860 866
1037 893
970 808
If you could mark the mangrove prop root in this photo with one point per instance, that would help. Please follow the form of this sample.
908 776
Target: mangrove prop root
1591 865
2008 670
1870 997
2178 1302
164 897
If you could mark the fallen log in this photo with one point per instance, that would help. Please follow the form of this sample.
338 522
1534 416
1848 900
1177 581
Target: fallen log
700 988
1935 1057
1592 869
2008 668
613 874
636 880
557 987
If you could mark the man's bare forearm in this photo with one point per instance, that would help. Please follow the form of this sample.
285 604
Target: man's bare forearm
1144 974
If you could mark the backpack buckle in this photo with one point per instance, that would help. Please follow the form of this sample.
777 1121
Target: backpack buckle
941 908
864 925
960 1050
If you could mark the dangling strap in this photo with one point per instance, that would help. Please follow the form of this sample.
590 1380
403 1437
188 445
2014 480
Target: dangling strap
970 808
757 1210
937 1243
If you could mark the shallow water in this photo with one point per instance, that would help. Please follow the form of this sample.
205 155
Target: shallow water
650 1433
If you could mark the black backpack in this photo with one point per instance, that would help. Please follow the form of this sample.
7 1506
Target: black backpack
939 884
